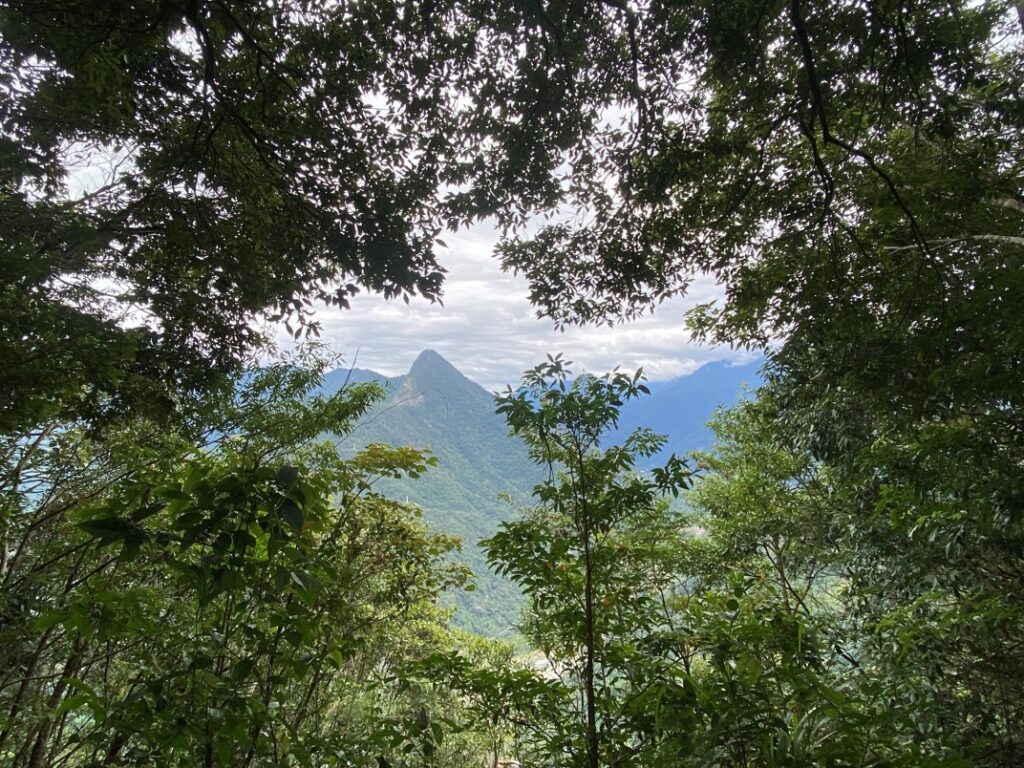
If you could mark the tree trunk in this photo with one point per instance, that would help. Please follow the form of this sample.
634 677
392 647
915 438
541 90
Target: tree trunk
588 618
71 667
23 688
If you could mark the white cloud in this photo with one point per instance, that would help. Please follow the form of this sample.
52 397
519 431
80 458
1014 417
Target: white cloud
488 330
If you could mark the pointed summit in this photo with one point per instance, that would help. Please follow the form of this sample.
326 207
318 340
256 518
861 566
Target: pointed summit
432 371
429 360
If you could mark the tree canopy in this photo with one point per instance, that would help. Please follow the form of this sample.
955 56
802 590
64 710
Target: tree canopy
846 587
175 171
847 172
245 598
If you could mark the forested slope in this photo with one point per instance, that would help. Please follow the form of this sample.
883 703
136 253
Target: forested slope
437 409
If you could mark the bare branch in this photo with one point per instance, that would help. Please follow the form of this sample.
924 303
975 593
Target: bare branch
1006 202
1006 239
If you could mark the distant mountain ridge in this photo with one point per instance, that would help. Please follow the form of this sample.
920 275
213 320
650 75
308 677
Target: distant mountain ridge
435 407
681 408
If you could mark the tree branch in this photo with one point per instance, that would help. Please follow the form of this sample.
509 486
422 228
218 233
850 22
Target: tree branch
829 138
1005 239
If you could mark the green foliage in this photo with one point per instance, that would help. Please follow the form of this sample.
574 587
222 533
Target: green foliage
822 162
780 682
218 587
744 631
850 173
843 641
245 600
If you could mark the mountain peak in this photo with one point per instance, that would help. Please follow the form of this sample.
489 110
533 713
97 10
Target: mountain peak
430 361
433 376
428 355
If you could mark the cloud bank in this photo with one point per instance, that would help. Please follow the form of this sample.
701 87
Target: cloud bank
489 331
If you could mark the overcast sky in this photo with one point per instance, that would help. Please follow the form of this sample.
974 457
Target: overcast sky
489 331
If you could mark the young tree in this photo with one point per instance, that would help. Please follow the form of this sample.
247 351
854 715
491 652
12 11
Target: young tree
596 558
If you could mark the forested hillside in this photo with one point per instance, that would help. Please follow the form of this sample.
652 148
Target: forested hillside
437 409
204 562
